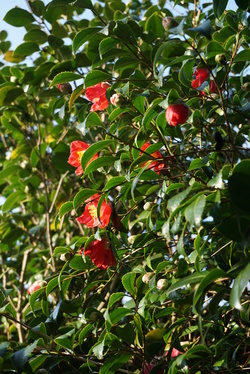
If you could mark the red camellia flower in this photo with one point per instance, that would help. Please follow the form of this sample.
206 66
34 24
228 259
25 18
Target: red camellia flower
90 217
100 254
176 114
201 75
35 286
77 150
155 165
97 94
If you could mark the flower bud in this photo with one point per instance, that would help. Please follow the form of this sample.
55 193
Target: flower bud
36 286
66 256
177 114
146 277
220 59
246 86
65 88
148 205
162 284
169 23
118 100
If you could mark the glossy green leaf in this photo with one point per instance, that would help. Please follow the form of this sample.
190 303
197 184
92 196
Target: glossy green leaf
84 36
115 297
176 200
100 162
204 29
212 276
194 211
185 282
219 7
65 208
20 357
8 172
93 150
9 92
196 164
65 77
96 76
12 199
82 196
26 49
113 182
128 281
18 17
243 56
151 113
66 340
115 362
239 286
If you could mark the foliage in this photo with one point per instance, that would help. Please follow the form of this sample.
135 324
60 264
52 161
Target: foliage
177 196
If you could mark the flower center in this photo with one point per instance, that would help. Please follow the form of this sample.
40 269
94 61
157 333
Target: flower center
92 211
80 153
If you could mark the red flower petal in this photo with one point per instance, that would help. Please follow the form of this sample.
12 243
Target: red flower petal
100 254
154 165
176 114
77 149
90 217
97 94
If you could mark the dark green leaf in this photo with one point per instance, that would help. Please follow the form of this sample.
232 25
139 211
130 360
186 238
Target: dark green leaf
239 286
128 281
219 7
84 36
65 77
96 76
194 211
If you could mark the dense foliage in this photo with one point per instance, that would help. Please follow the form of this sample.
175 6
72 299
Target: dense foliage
125 180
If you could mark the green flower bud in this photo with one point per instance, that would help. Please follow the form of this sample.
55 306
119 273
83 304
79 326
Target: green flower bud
246 86
220 59
169 23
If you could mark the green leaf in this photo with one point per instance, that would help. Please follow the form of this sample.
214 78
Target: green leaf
65 77
197 163
74 96
239 286
9 92
186 73
212 275
115 297
185 282
118 314
239 185
106 45
242 4
7 172
77 263
193 212
18 17
36 35
243 56
176 200
82 196
65 208
98 349
115 362
114 182
92 150
215 48
66 340
128 281
19 358
203 29
26 49
12 199
99 163
219 7
96 76
83 36
151 113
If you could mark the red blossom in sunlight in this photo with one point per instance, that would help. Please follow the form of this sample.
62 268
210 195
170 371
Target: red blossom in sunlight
155 165
90 217
100 254
177 114
77 150
97 94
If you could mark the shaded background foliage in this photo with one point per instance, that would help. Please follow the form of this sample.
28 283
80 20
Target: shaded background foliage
188 225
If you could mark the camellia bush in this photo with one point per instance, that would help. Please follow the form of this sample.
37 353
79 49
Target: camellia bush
125 184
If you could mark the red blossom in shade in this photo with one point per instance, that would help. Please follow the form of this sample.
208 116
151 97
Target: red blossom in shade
177 114
155 165
90 217
77 150
65 88
35 286
97 94
100 254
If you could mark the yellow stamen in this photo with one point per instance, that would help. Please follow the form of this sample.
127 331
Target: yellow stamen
92 211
